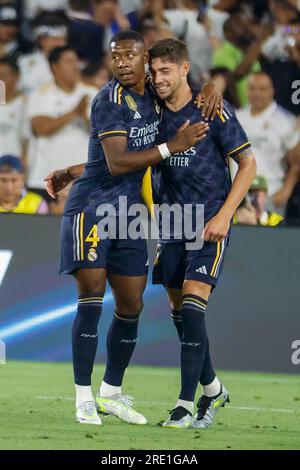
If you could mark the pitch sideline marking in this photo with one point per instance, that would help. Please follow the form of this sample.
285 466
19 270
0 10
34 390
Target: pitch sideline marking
241 408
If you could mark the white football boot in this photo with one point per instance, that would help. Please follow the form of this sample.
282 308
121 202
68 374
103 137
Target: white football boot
86 413
121 407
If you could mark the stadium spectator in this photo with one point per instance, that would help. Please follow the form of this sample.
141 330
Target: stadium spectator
149 13
274 136
286 13
150 33
108 14
13 195
11 42
224 83
240 53
214 18
153 33
34 7
86 37
14 128
191 28
235 50
280 51
96 75
128 6
49 31
253 211
59 114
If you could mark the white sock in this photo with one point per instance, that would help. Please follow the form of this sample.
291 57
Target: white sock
83 393
106 390
188 405
212 389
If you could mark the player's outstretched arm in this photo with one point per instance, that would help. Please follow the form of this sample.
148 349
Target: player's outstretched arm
217 228
59 179
120 161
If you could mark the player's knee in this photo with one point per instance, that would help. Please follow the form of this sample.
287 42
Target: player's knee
200 289
133 308
90 286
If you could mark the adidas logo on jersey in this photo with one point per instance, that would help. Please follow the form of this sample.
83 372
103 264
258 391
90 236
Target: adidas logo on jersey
202 270
137 115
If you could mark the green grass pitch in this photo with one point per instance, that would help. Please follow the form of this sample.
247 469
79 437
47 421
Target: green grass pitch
37 411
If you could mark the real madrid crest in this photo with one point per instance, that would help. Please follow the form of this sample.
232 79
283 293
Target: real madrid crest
92 255
131 103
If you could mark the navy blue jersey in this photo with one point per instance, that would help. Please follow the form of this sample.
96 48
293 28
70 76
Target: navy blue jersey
116 111
201 174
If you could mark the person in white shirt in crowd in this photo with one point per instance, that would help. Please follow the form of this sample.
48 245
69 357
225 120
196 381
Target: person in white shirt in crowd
14 127
189 27
286 13
34 7
59 114
215 15
50 30
275 139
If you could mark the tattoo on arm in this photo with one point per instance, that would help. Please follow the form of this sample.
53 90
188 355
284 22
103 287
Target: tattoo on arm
245 155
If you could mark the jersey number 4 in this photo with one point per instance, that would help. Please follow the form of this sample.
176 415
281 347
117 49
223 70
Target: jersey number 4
93 237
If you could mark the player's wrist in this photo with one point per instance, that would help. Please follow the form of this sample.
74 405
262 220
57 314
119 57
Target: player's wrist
173 146
227 213
164 151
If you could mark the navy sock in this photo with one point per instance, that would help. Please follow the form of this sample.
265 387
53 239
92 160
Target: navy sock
193 346
177 320
120 343
85 336
208 373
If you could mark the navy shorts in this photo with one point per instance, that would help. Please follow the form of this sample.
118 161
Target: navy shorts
174 264
81 248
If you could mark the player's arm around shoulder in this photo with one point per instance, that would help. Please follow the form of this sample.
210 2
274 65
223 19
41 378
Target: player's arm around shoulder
111 123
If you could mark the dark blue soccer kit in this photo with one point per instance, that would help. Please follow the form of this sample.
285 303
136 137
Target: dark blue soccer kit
116 111
200 176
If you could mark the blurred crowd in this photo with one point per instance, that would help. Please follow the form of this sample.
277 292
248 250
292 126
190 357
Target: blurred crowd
53 61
